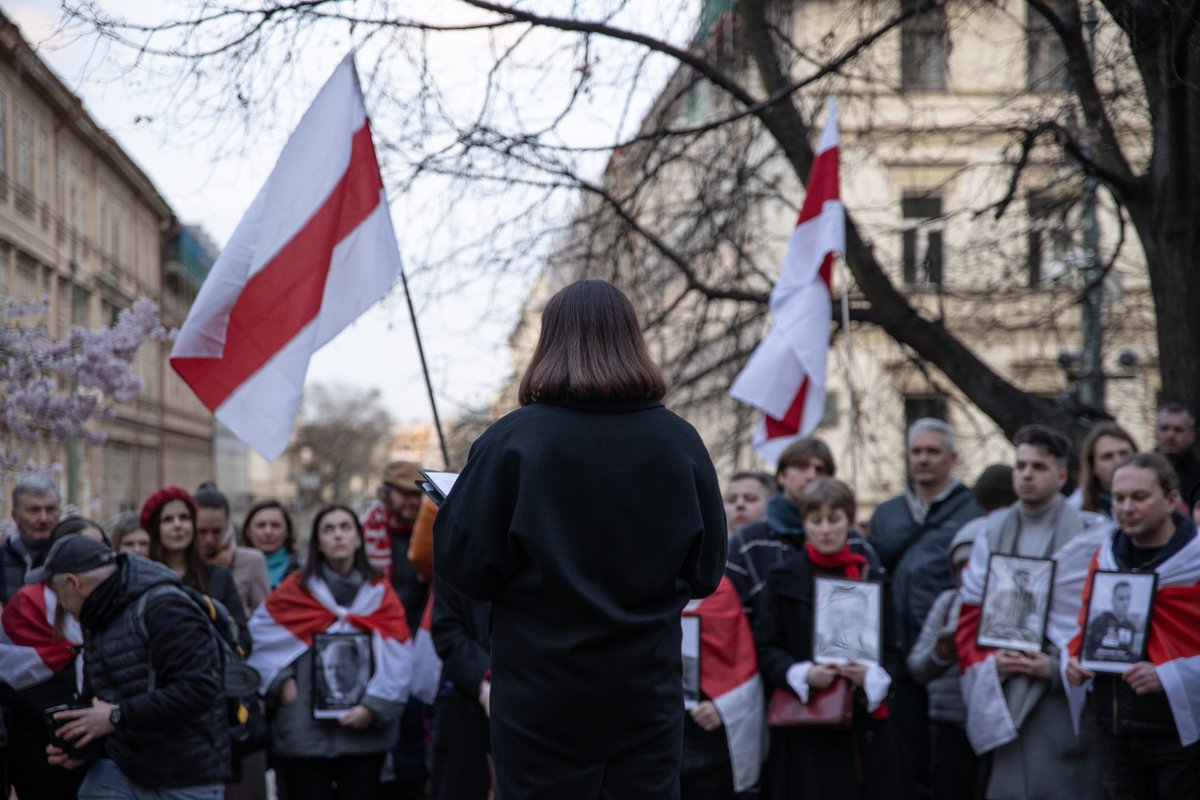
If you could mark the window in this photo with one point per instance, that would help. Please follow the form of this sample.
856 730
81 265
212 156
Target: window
24 148
923 228
81 311
3 134
924 49
44 165
60 184
1049 254
923 406
1046 69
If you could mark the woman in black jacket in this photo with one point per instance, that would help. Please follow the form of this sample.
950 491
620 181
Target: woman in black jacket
588 518
858 763
169 516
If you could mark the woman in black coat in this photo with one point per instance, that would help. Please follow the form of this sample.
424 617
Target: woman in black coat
859 763
588 518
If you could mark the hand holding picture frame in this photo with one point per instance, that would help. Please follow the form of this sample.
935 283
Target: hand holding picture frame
1016 602
1118 620
847 621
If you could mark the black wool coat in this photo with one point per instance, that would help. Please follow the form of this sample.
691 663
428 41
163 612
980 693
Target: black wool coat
821 763
588 527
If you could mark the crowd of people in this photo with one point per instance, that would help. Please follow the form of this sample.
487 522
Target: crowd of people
584 567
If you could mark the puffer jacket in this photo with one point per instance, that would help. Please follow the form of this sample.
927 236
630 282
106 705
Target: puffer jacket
174 735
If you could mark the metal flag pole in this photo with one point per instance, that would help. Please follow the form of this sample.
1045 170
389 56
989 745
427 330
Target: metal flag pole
845 271
437 421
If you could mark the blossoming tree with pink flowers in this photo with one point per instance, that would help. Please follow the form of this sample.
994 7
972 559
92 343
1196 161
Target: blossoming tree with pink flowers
54 389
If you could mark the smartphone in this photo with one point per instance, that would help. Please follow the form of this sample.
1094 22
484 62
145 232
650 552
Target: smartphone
53 724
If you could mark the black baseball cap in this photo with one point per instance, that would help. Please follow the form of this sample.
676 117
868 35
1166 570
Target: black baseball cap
71 554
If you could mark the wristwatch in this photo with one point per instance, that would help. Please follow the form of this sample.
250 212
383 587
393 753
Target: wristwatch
114 716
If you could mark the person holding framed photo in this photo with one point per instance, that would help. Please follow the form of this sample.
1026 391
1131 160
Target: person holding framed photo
860 759
331 644
1138 648
1018 720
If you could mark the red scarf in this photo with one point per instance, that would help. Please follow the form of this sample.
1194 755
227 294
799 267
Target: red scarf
848 561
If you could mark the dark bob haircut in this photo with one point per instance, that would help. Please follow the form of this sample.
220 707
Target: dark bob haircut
289 542
591 349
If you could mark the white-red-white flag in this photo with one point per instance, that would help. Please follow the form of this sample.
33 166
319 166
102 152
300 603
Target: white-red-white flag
785 376
313 252
729 677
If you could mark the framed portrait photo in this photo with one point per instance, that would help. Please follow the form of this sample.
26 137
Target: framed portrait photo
690 650
343 664
1118 619
847 621
1016 602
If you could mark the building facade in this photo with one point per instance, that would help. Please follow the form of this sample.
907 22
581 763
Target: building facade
82 225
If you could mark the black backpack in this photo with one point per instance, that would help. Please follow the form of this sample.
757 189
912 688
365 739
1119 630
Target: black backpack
248 728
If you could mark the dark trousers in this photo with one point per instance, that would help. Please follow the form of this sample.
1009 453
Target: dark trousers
461 746
715 784
1148 767
952 762
341 778
635 765
909 714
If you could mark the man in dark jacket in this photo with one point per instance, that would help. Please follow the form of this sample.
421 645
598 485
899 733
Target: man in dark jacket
912 534
755 548
36 506
1175 438
462 739
158 708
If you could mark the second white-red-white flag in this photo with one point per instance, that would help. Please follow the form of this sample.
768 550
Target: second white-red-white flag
313 252
785 376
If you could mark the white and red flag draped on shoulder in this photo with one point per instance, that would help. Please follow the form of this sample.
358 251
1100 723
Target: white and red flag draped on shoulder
427 666
729 677
30 652
313 252
283 626
785 377
1173 645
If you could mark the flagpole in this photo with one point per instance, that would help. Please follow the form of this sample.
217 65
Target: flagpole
437 422
845 270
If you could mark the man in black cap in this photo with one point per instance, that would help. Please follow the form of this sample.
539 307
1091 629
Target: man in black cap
158 709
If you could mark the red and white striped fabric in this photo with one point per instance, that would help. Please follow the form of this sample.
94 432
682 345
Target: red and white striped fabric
282 630
785 377
313 252
427 667
1173 645
729 677
990 723
29 652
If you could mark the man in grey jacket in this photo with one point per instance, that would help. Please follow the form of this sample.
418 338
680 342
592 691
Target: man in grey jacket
912 533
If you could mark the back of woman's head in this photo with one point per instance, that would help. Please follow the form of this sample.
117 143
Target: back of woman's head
316 558
73 525
590 349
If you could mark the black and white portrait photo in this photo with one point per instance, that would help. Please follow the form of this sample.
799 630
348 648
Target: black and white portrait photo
848 619
1117 618
1016 601
690 649
342 667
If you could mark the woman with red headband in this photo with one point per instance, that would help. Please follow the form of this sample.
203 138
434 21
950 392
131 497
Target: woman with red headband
169 516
